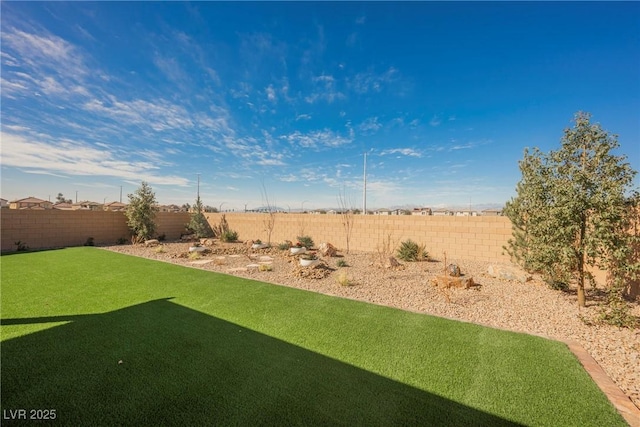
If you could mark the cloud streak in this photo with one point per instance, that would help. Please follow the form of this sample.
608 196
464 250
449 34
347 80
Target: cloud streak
76 158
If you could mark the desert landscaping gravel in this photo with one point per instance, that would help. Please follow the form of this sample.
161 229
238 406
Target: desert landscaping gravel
530 307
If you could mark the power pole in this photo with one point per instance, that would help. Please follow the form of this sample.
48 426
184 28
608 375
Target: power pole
198 185
364 187
121 194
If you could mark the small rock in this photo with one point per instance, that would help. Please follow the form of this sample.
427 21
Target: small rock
152 242
393 264
454 270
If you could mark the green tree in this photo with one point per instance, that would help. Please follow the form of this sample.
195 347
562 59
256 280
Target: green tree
574 209
60 199
199 224
141 212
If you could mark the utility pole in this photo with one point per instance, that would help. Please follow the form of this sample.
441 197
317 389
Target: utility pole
198 185
121 194
76 196
364 187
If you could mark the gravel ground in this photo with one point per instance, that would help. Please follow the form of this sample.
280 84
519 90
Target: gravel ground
529 307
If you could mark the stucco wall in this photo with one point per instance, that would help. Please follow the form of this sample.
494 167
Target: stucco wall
471 238
56 228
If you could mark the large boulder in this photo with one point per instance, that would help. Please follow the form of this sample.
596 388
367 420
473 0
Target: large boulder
508 273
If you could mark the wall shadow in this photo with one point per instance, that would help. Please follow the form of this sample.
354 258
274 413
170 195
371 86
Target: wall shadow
159 363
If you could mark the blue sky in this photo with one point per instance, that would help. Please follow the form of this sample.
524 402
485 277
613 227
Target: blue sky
286 97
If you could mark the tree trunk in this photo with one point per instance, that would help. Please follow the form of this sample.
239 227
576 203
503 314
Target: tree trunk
582 301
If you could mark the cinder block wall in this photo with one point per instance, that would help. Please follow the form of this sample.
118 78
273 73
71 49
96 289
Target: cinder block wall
470 238
55 228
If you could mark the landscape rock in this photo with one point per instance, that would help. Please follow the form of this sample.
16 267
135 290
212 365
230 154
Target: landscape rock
327 250
508 273
393 264
454 270
151 242
443 281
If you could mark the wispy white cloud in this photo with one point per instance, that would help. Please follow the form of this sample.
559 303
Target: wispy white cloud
77 158
409 152
303 117
45 52
372 82
361 20
271 94
317 139
436 120
370 126
325 89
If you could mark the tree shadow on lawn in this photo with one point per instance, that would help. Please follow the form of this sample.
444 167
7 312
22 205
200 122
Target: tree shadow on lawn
159 363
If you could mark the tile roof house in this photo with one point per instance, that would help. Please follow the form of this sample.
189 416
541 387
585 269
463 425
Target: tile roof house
421 211
87 206
491 212
4 203
115 206
466 212
63 206
441 212
31 203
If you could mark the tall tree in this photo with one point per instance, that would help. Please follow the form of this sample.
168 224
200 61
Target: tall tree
574 209
141 212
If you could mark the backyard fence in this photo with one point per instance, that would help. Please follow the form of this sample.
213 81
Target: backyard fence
479 238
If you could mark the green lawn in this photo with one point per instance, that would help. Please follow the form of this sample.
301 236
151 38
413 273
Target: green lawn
199 348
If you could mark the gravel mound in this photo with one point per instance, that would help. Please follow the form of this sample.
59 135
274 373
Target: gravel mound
529 307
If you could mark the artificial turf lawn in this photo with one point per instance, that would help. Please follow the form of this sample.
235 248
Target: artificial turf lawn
200 348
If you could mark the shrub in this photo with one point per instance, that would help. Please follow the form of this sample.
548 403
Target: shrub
617 313
341 263
162 237
265 267
306 241
199 224
229 236
343 279
159 249
194 255
21 246
411 251
284 246
89 242
121 241
141 212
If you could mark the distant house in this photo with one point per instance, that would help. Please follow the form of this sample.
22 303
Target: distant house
421 211
466 212
382 211
4 203
87 206
63 206
173 208
332 212
442 212
491 212
115 207
31 203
